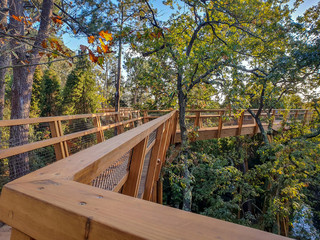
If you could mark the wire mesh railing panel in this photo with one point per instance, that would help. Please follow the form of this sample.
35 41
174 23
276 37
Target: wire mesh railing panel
152 137
190 122
248 119
21 164
77 125
77 144
111 177
109 133
106 120
23 134
208 122
144 173
229 121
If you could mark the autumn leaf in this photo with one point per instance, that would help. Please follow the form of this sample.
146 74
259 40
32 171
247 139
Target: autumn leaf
19 19
105 48
99 50
57 19
91 39
92 57
44 44
106 35
83 48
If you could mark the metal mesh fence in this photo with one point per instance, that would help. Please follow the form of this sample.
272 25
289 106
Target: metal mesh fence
22 164
110 178
152 137
208 122
18 165
144 173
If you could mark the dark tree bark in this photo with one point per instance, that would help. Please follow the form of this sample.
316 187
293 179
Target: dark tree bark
118 80
23 79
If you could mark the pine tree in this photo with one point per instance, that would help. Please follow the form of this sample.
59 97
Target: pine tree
35 110
51 94
80 94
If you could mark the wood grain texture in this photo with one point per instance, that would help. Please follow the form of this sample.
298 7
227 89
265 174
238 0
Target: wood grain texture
69 210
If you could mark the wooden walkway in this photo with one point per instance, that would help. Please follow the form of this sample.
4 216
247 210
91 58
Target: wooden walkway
67 199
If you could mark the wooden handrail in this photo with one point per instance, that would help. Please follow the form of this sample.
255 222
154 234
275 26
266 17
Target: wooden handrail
24 121
53 203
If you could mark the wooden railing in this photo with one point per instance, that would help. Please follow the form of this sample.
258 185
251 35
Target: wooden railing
68 199
219 123
66 134
129 163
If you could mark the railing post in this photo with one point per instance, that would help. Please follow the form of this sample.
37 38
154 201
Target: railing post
240 123
131 187
131 117
162 151
174 127
197 120
159 191
120 128
60 149
97 124
17 235
154 160
145 117
220 124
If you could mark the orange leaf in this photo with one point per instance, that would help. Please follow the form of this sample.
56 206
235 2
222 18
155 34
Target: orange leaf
91 39
99 50
105 48
57 19
19 19
44 44
92 57
106 35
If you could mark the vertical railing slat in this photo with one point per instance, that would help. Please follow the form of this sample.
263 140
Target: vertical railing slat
154 160
131 187
97 124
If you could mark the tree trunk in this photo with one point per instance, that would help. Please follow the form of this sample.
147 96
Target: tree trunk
262 131
184 154
23 79
118 80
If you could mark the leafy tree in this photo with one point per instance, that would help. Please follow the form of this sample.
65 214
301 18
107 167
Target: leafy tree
50 103
80 92
209 36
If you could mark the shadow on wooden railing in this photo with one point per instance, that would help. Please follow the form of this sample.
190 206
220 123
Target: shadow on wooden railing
68 199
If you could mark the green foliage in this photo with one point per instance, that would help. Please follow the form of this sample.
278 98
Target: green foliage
242 180
36 93
50 103
80 94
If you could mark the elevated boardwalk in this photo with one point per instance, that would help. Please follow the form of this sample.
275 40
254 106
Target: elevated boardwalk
78 196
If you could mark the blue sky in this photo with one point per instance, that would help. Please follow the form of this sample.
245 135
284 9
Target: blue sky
165 11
